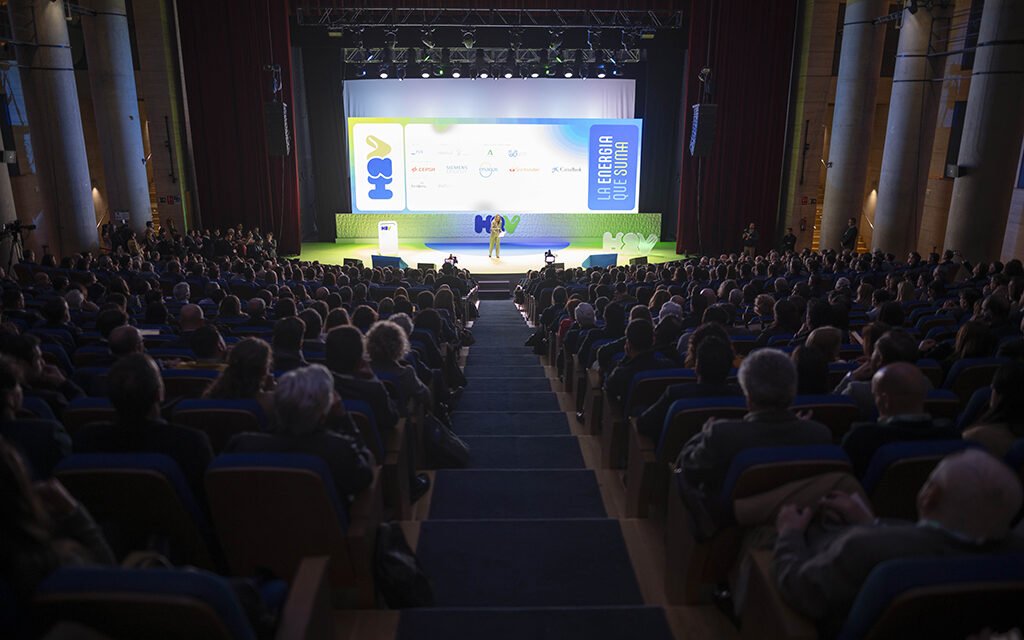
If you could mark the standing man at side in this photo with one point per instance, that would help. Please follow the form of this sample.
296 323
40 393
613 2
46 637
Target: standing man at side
749 240
849 240
788 241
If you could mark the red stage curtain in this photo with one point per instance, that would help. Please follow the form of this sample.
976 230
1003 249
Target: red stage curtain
751 47
225 45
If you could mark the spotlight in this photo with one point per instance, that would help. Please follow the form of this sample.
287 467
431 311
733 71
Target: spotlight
581 63
384 69
599 64
535 72
427 38
481 64
468 38
391 38
457 71
361 71
483 74
425 73
567 73
555 38
508 73
616 71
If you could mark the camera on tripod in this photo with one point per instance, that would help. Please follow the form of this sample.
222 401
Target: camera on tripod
15 228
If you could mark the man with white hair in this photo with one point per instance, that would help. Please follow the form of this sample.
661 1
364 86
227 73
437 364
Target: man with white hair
966 507
769 382
309 418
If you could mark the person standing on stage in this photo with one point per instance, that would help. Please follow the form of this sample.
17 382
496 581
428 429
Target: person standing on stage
849 240
788 241
495 237
749 240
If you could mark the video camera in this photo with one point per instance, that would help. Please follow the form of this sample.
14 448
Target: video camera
15 228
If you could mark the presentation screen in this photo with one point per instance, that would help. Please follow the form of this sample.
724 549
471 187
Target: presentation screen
506 165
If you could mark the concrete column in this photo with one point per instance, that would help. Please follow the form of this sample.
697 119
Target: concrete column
55 122
993 127
112 84
910 132
860 63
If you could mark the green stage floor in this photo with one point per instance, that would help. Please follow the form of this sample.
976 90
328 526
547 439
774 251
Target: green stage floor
514 259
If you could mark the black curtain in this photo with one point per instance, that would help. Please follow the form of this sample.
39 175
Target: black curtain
324 77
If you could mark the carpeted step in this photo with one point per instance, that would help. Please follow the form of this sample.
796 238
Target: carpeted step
580 623
491 370
476 399
524 452
507 359
485 423
470 494
527 563
481 384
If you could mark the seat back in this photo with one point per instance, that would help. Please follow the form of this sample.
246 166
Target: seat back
942 404
362 414
157 604
932 370
970 374
686 417
647 386
82 411
187 383
272 509
761 469
898 470
220 419
141 494
837 412
948 597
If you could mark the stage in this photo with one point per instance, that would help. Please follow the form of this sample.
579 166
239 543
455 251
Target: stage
515 257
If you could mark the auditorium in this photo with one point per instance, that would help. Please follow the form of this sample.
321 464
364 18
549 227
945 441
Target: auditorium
507 319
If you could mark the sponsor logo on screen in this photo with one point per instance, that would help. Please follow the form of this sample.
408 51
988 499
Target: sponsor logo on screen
379 168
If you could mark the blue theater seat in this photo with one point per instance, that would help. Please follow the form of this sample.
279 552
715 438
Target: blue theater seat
220 420
898 470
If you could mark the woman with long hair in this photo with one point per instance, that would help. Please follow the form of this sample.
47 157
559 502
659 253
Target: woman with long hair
247 376
496 231
1003 423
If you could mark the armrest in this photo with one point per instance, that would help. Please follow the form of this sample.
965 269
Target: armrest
640 473
397 438
367 504
765 614
307 611
643 442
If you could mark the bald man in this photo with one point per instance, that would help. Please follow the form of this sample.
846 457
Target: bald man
899 390
966 507
125 340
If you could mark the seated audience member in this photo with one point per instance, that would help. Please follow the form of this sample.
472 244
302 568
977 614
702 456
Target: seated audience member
1003 423
336 318
900 390
190 318
57 315
640 356
714 362
109 319
247 376
769 383
309 418
42 528
895 346
14 308
136 390
353 377
256 309
287 343
966 507
387 345
973 340
313 337
125 340
230 311
209 349
827 340
38 378
811 370
363 317
42 443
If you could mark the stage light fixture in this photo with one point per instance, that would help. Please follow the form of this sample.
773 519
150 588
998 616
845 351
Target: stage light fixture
469 38
391 38
384 71
361 71
457 71
554 38
535 72
567 72
581 63
425 73
600 70
616 71
427 38
483 74
508 73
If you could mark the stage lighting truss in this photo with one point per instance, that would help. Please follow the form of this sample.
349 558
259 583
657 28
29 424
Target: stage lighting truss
317 13
494 62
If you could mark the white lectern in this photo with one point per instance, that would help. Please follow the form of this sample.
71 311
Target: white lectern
387 237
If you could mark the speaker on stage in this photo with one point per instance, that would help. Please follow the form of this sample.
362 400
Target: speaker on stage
426 266
388 261
601 260
279 138
353 262
633 262
702 129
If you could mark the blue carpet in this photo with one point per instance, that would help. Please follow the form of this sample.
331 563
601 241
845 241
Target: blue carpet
512 359
474 399
527 563
524 452
497 371
552 423
616 623
464 494
510 384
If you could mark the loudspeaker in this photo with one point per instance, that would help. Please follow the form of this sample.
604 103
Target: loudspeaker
702 129
601 260
279 139
638 261
558 266
426 266
388 261
353 262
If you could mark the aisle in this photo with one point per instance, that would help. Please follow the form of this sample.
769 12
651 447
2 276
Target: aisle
520 545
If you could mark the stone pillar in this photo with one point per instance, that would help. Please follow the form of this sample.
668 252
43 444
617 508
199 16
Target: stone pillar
860 63
112 84
993 127
55 122
910 132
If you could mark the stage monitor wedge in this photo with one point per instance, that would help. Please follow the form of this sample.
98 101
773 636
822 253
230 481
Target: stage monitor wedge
426 266
353 262
388 261
601 260
633 262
